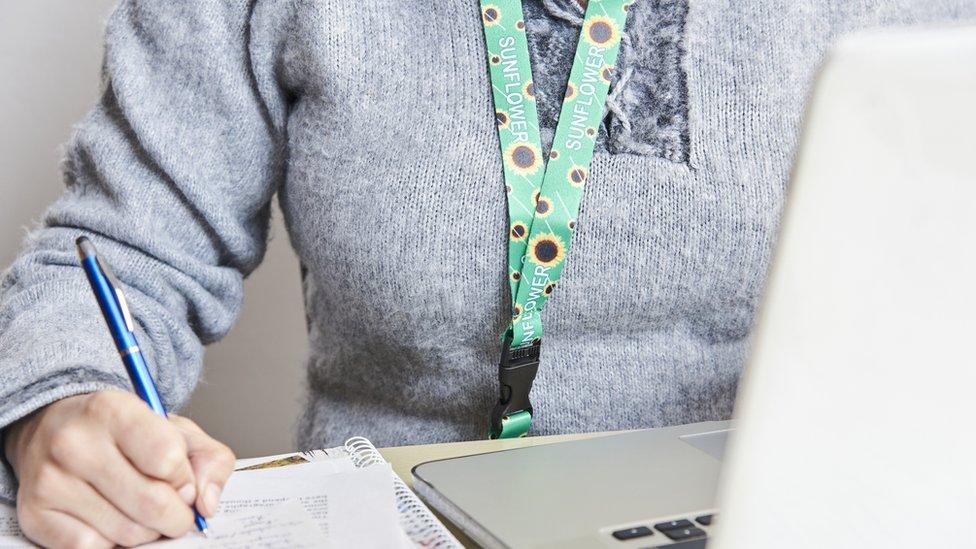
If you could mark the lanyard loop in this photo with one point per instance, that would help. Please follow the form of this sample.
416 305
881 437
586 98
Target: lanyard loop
543 197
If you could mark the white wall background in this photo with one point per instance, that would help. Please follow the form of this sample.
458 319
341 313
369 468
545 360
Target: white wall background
50 57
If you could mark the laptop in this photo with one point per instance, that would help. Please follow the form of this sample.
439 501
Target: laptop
854 420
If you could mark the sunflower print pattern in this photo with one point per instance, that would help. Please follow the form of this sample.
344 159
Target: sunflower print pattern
544 196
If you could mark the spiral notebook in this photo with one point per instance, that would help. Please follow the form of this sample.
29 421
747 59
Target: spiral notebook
356 514
347 496
417 522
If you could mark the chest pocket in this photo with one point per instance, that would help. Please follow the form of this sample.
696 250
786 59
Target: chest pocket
647 110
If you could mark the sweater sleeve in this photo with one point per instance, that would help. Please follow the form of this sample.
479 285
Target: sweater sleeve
171 175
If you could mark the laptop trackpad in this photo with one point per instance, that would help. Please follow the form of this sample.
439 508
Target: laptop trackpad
712 443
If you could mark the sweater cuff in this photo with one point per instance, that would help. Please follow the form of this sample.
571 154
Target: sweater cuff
53 344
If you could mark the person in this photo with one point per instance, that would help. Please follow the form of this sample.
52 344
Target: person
373 124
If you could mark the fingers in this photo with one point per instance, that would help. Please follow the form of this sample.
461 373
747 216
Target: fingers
212 464
101 469
55 529
93 509
58 509
134 459
146 439
144 500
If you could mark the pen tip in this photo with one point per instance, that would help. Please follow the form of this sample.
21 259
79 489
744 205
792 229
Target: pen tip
205 532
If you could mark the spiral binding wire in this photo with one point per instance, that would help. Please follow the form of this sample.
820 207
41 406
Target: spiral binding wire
421 526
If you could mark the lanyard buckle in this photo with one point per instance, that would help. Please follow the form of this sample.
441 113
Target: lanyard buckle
512 415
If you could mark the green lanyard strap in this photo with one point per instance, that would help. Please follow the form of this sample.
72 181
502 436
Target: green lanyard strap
543 197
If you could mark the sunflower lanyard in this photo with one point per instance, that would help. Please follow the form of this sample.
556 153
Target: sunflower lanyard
543 200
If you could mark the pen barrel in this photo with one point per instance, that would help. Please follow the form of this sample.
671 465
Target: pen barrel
111 312
142 381
125 341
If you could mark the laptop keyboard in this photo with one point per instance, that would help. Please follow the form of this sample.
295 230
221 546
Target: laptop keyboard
680 533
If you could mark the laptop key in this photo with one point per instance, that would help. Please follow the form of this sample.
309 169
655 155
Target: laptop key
672 524
678 534
631 533
698 543
704 520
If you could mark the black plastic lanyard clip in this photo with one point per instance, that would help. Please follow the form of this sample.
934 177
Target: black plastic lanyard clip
516 372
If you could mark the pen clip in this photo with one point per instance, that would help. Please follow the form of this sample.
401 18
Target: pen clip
117 292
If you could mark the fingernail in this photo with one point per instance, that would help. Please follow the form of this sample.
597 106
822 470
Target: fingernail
188 493
211 498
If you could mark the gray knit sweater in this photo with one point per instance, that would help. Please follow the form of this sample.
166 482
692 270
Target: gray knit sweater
372 123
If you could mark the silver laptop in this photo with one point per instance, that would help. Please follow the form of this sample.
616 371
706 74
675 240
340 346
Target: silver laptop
854 421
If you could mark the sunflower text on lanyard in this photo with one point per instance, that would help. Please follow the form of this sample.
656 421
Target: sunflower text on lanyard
543 196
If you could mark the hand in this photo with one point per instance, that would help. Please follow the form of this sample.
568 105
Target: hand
102 469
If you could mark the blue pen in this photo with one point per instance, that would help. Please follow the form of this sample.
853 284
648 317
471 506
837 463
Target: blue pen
111 301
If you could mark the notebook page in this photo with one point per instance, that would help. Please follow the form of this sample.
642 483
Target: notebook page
416 520
329 503
352 507
10 536
284 526
341 508
419 526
